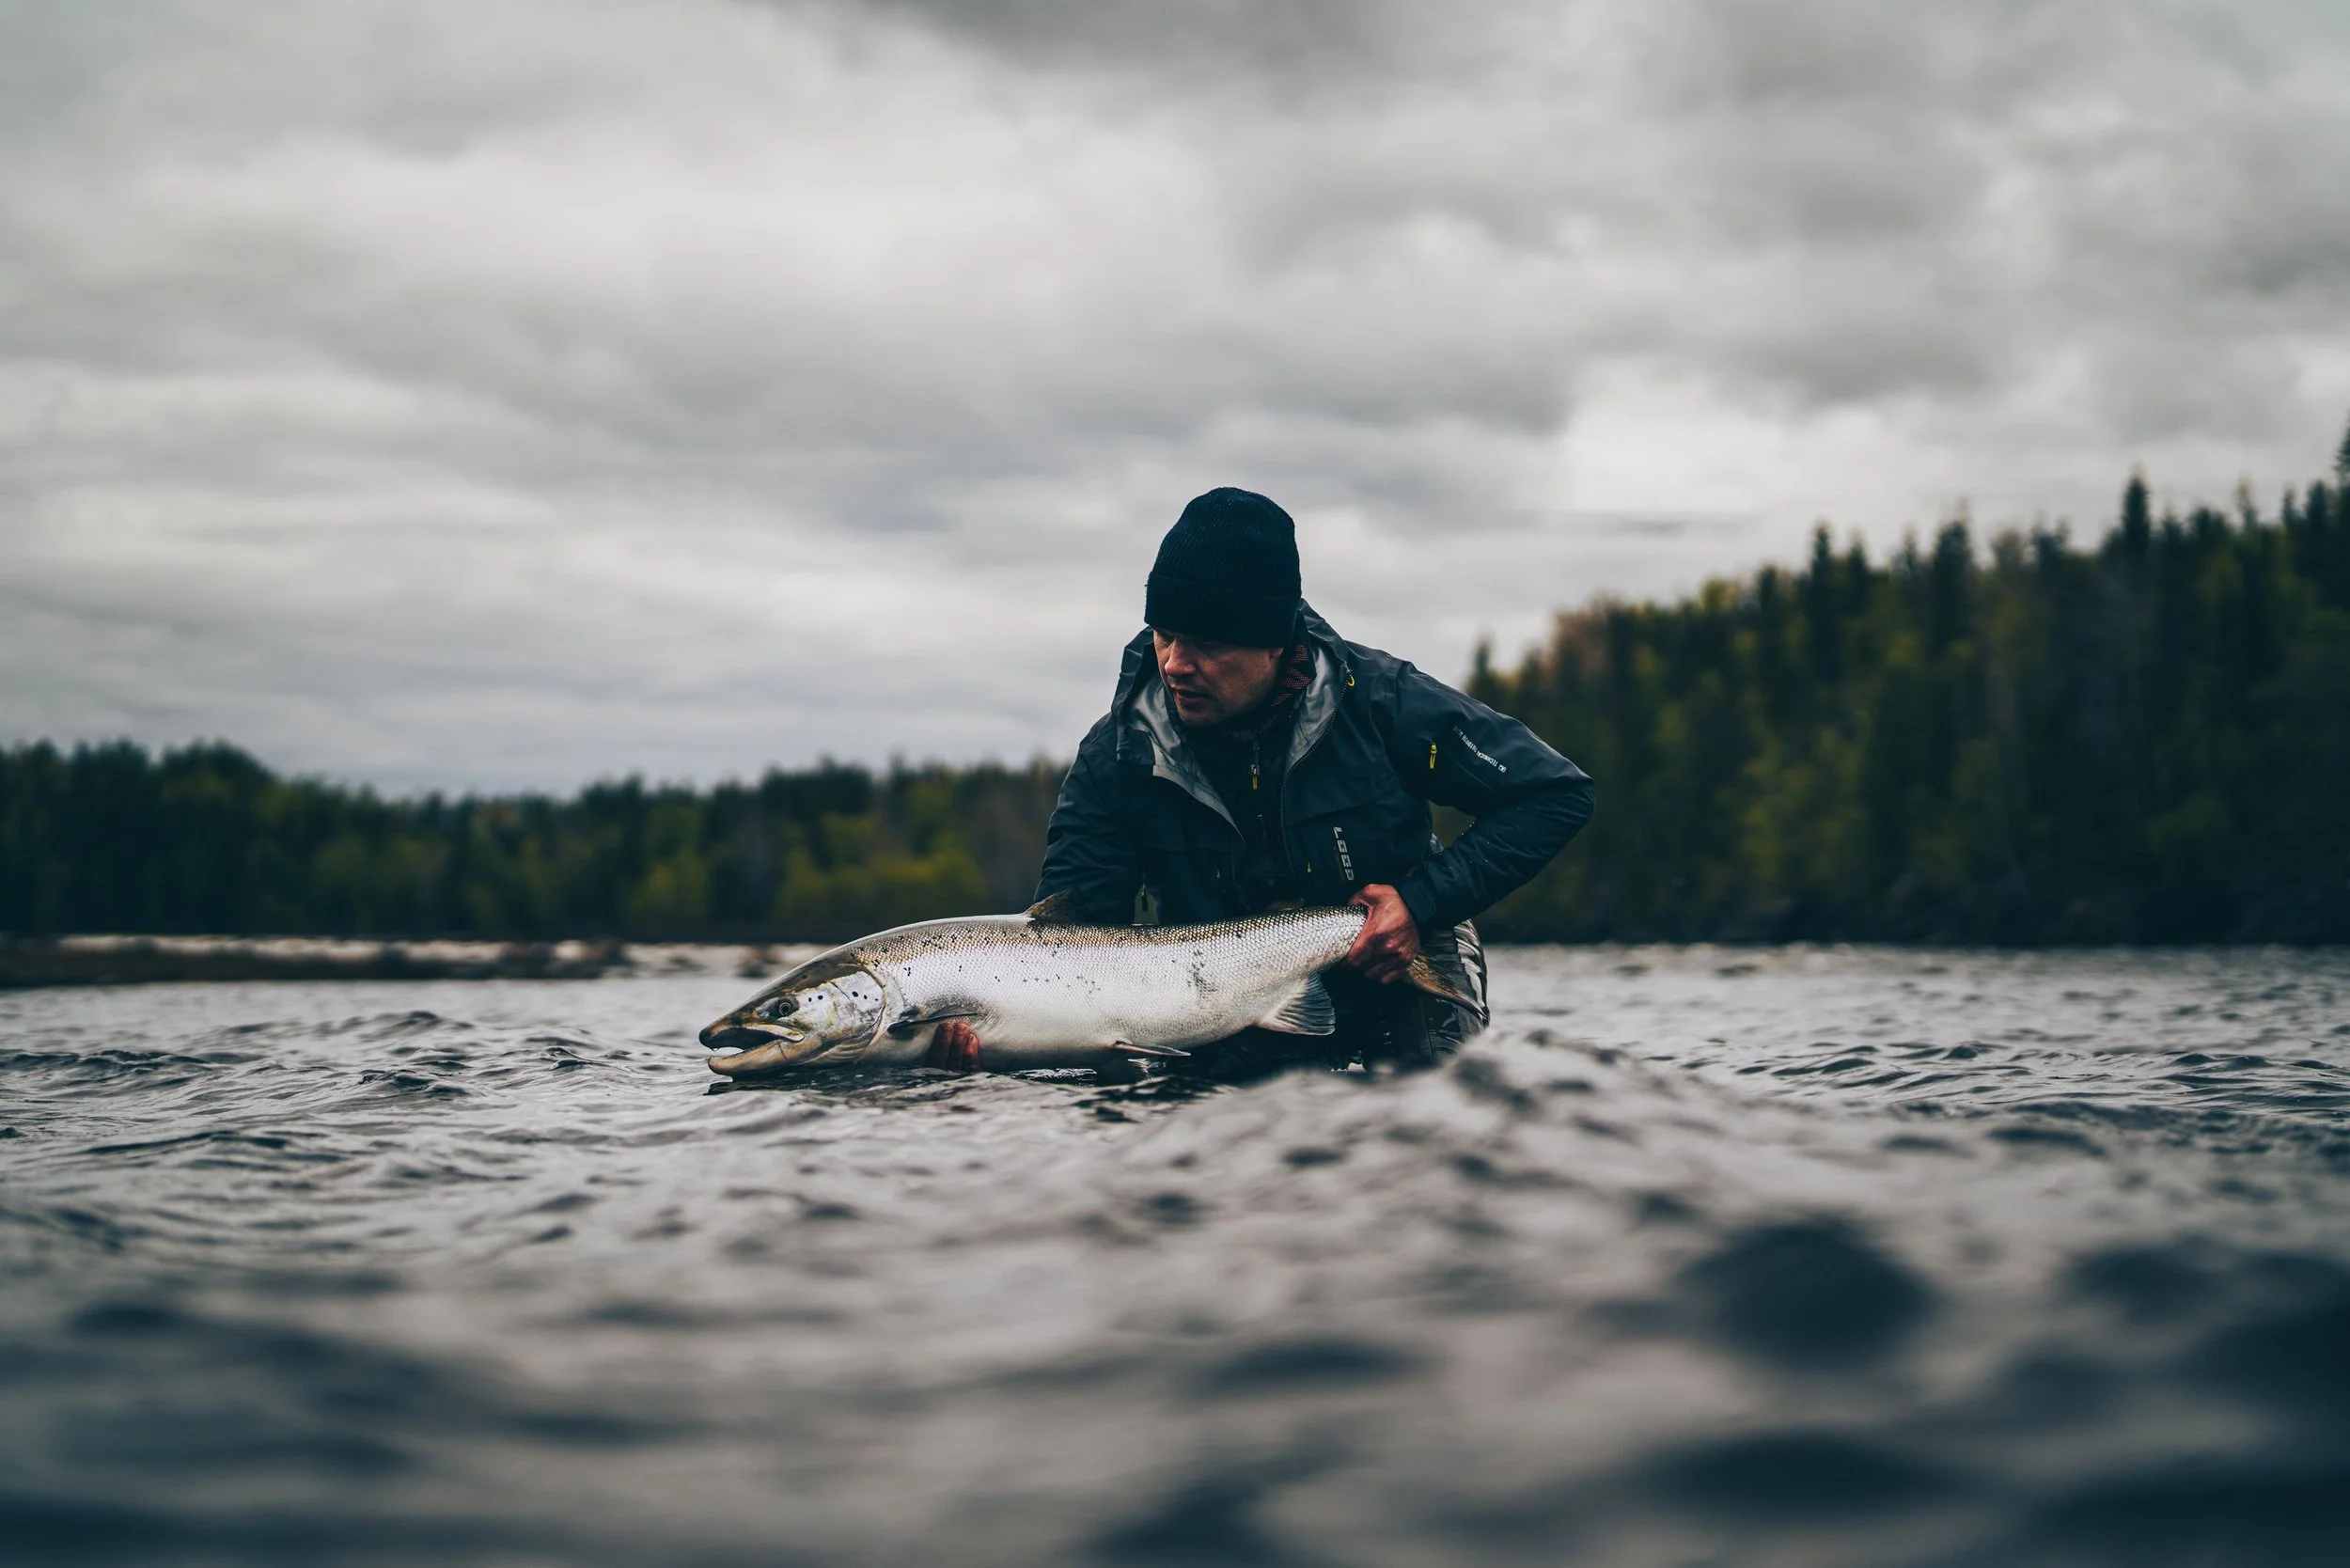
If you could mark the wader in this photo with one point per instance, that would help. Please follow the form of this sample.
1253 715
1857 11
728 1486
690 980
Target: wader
1397 1028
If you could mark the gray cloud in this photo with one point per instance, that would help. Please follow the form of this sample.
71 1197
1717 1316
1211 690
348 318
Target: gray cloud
537 391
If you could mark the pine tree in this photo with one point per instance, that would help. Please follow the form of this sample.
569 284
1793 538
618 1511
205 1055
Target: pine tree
2137 516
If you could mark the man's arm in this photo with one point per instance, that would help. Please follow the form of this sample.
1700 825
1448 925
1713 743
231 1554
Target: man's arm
1529 801
1089 854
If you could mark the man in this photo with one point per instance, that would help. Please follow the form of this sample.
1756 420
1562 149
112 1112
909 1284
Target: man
1253 759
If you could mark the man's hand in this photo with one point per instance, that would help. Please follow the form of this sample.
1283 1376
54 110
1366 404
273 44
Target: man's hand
955 1046
1389 939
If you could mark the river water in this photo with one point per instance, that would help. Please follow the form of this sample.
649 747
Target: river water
1792 1256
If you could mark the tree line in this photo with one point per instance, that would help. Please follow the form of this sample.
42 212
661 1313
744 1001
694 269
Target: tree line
2146 740
206 840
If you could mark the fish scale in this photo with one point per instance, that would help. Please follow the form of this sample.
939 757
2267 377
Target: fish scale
1041 991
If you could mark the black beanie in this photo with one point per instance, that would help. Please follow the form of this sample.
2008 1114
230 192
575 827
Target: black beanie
1227 572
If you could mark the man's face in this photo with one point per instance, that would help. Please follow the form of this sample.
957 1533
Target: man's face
1211 682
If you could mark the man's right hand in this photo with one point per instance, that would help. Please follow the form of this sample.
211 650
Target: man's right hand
954 1046
1389 939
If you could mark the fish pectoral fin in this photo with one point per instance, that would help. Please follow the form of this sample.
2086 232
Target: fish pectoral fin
1057 909
1128 1048
1423 975
912 1021
1307 1009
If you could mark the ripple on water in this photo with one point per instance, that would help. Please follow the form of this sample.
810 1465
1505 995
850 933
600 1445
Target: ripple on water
1810 1293
1781 1255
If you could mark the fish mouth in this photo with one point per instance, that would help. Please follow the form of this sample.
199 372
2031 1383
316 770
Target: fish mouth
743 1048
730 1034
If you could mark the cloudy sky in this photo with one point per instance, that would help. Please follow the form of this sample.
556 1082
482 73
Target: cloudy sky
514 393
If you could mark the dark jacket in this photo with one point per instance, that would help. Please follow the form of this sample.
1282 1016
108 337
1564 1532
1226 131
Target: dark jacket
1142 834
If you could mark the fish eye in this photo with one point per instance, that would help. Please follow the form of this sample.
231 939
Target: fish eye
782 1007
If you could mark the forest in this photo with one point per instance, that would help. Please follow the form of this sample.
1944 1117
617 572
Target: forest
205 839
2144 740
2148 741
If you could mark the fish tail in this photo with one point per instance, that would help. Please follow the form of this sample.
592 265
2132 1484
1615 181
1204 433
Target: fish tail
1423 974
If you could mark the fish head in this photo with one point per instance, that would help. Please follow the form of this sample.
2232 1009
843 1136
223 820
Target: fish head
813 1013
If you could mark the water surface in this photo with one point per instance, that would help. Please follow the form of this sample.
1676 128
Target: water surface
1704 1255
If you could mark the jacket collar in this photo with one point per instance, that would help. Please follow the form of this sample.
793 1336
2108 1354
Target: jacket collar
1149 731
1333 676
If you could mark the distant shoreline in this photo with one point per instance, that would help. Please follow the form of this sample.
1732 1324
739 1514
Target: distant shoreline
32 962
28 962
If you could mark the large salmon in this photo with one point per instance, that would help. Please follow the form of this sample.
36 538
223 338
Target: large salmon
1042 992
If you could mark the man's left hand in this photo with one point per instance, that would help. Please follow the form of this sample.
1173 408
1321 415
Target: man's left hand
954 1046
1389 939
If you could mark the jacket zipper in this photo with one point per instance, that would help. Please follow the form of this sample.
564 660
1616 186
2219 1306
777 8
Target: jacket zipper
1256 782
1280 804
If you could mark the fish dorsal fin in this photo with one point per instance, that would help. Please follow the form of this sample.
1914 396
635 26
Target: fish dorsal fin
1423 975
1304 1010
1055 909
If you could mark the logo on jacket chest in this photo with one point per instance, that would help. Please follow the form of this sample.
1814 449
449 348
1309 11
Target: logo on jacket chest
1346 855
